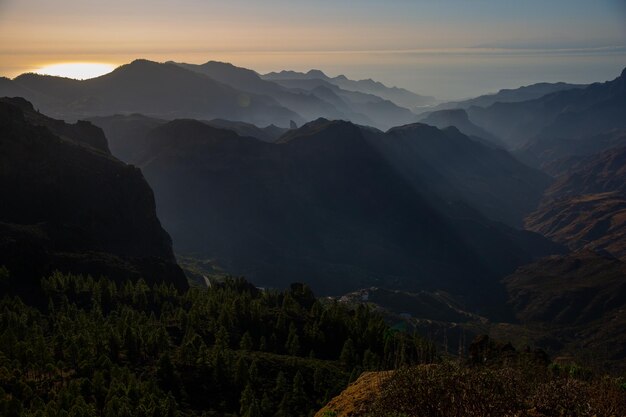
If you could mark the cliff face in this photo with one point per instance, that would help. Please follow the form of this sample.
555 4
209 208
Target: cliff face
68 204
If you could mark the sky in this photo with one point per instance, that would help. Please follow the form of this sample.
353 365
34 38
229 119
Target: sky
447 48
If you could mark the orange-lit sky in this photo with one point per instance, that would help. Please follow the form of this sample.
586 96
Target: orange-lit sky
449 48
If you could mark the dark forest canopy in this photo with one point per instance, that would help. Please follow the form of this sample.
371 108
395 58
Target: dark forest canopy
99 348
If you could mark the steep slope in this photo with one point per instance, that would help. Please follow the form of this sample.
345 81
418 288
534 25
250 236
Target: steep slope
459 168
358 397
571 113
325 205
69 205
600 173
593 221
161 90
557 155
586 207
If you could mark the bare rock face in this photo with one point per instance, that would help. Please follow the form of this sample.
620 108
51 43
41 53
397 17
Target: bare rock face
69 205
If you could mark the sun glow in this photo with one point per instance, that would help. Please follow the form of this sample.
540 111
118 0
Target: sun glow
76 70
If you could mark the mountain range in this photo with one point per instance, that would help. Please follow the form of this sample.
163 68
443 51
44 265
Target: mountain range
566 114
340 205
214 90
400 96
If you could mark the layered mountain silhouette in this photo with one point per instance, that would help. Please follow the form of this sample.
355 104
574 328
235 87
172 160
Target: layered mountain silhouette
161 90
69 205
568 114
399 96
214 90
509 95
126 134
359 106
333 204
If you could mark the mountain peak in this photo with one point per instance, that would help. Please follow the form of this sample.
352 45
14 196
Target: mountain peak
316 73
142 61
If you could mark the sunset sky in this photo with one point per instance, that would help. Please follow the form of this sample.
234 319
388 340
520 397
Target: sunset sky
449 48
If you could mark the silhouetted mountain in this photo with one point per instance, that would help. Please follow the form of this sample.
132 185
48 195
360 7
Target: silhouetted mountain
267 134
307 105
509 95
399 96
573 113
319 98
160 90
126 133
325 205
69 205
367 109
459 119
81 132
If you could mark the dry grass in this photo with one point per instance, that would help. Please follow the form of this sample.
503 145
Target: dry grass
358 397
450 390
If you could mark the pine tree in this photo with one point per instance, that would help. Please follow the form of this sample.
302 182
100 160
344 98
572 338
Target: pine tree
293 342
246 342
348 354
246 399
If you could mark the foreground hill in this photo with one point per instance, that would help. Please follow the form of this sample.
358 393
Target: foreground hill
328 203
161 90
69 205
520 386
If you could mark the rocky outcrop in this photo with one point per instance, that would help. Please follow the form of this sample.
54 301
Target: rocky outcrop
69 205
